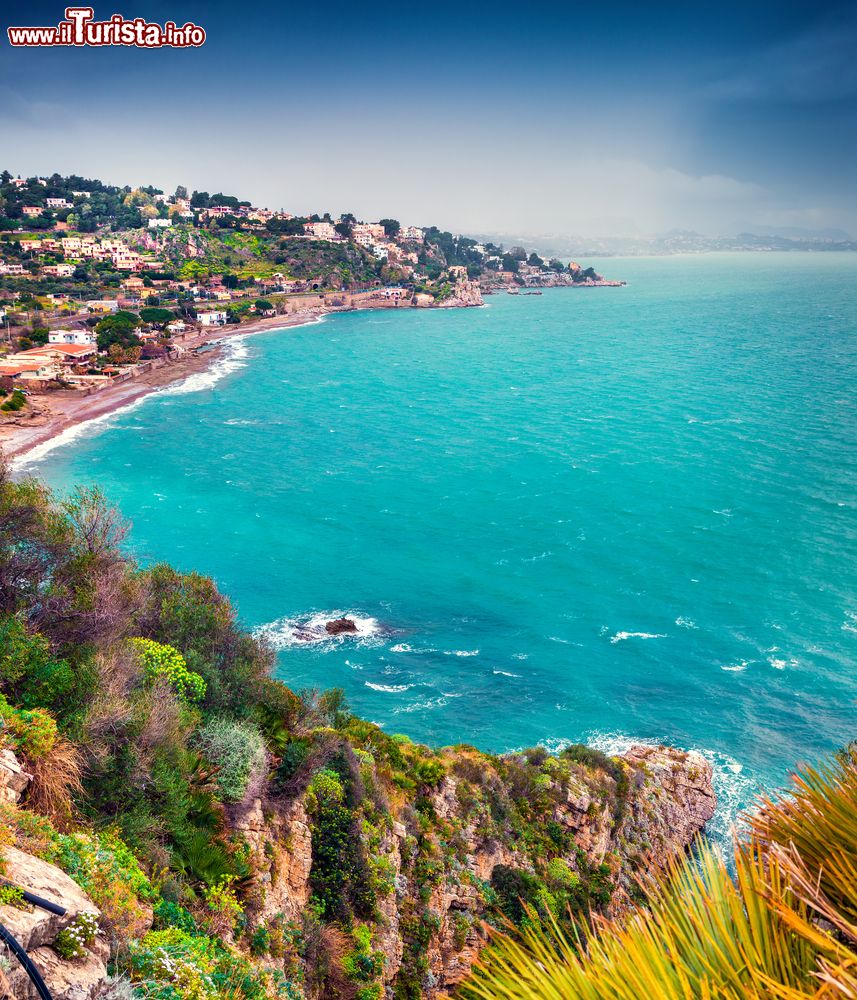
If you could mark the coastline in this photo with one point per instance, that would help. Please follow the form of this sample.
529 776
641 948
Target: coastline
66 410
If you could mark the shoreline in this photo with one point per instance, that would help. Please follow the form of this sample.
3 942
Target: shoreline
66 410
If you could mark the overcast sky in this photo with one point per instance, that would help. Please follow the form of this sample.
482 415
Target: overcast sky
588 119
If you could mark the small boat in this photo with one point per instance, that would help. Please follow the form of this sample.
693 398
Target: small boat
512 291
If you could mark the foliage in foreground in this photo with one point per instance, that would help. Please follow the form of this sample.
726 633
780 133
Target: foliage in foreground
785 927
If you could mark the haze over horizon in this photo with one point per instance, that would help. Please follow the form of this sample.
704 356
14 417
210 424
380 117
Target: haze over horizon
481 118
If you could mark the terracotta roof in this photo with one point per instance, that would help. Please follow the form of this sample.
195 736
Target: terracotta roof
72 349
17 369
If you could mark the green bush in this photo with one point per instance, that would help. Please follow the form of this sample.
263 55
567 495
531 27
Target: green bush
72 941
15 402
236 749
160 660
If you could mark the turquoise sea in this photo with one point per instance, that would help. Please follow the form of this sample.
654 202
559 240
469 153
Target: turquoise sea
595 514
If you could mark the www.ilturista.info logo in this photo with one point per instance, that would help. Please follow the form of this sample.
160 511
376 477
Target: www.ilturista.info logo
80 28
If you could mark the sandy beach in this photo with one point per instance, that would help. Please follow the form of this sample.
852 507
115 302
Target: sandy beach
51 414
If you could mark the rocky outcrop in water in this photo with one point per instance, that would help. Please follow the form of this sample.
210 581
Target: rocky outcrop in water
340 626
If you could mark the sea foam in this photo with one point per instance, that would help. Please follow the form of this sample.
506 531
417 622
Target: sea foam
285 633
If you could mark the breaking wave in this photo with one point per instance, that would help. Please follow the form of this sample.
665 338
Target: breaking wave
285 633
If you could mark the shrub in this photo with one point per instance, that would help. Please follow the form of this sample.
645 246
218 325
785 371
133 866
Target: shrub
168 914
223 906
72 941
12 895
34 731
107 871
237 750
160 660
295 752
560 874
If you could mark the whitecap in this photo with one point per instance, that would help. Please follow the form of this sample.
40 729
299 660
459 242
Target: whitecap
736 668
285 633
389 688
504 673
622 636
685 622
232 359
461 652
35 454
422 706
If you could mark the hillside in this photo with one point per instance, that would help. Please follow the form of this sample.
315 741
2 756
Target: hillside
240 839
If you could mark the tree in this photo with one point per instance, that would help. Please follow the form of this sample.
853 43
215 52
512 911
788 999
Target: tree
157 317
510 263
118 328
230 280
181 191
263 305
344 228
391 226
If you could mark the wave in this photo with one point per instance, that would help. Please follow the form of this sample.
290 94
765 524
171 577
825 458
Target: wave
389 688
622 636
461 652
233 358
685 622
736 668
504 673
426 705
71 434
286 633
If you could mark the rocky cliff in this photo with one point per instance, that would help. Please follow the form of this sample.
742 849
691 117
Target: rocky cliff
69 953
376 864
558 831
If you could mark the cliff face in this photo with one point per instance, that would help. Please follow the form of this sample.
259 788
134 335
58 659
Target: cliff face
39 932
465 293
462 851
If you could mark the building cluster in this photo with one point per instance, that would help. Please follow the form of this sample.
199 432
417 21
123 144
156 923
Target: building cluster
77 249
67 355
372 236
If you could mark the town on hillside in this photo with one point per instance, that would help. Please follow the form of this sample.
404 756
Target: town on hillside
99 282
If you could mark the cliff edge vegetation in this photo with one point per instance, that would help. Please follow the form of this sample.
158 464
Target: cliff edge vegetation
783 925
213 833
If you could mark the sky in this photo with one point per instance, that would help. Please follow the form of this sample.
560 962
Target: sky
594 120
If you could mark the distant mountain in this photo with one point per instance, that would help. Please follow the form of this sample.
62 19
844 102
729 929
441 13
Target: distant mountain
764 238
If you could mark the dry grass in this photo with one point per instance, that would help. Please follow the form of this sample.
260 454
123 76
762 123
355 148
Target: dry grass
56 780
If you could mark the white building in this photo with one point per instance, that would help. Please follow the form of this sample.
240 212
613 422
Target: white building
160 223
57 203
214 317
71 337
321 230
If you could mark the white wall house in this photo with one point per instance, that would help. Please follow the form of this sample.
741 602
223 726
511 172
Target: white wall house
214 317
71 337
